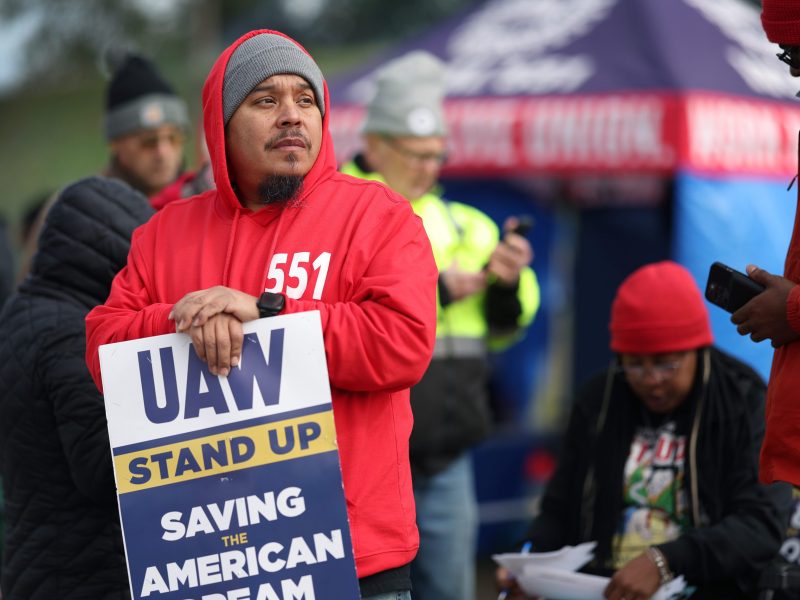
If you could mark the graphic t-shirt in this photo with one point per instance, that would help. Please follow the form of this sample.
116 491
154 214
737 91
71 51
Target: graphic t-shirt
654 499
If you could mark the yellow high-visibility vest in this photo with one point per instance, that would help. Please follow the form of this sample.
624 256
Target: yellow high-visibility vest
463 235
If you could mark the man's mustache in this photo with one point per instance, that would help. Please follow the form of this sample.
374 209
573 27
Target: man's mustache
296 133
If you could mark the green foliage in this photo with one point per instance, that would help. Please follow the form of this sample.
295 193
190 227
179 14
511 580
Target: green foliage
71 37
48 141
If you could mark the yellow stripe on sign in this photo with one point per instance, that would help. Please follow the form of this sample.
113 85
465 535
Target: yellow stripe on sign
225 452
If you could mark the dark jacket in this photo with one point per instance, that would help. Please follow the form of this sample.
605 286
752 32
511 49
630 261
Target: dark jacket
6 263
62 534
737 524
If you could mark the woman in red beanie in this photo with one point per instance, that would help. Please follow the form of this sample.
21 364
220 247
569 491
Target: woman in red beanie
775 314
659 460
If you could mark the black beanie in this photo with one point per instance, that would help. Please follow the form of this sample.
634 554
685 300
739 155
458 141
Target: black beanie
139 98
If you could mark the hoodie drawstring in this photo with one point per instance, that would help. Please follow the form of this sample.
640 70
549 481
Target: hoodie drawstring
229 252
271 254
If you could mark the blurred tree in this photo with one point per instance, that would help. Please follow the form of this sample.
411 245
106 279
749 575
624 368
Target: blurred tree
69 40
328 23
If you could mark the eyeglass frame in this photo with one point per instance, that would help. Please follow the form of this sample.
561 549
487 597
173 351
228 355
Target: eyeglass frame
664 371
150 140
439 158
790 55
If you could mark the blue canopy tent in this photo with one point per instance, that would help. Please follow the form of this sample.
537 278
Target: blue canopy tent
634 130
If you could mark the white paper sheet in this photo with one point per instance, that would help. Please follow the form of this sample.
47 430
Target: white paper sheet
552 575
569 558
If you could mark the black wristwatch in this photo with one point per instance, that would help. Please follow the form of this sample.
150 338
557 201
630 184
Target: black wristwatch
270 304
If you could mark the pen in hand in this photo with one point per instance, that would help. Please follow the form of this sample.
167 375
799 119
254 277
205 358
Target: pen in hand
526 547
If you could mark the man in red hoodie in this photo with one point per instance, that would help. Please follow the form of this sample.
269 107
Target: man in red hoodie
775 313
284 232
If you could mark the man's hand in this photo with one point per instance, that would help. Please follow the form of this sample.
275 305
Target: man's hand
764 317
505 582
637 580
218 342
461 284
196 308
510 256
213 318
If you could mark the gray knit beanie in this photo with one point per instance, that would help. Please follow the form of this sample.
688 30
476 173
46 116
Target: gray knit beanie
263 56
409 97
138 97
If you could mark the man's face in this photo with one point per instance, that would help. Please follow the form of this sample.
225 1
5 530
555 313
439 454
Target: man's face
661 381
409 165
150 158
277 130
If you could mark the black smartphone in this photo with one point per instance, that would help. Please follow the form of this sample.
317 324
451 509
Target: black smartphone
524 225
730 289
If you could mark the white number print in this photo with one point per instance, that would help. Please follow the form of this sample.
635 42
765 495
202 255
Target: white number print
298 276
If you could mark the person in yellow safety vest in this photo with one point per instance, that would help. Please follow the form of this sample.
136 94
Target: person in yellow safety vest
487 296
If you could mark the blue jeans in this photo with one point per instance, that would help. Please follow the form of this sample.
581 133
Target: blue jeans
405 595
447 517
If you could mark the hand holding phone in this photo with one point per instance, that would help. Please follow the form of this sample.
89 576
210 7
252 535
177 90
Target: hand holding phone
730 289
765 316
512 254
524 225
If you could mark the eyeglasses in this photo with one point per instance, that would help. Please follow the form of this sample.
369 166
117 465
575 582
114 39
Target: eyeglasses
661 371
420 158
790 56
151 141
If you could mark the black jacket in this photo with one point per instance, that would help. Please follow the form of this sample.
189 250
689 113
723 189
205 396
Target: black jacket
6 263
62 532
737 524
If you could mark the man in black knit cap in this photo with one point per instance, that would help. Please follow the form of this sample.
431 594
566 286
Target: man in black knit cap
145 126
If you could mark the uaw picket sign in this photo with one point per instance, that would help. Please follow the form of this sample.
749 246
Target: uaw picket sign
229 488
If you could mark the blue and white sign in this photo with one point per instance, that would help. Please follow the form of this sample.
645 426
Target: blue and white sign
229 488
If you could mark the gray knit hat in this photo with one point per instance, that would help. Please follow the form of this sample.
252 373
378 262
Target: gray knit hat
263 56
409 97
138 97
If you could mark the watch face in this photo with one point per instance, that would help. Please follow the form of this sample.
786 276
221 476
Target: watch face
270 304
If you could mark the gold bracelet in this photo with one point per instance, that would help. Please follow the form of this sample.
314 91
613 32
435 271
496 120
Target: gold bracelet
661 564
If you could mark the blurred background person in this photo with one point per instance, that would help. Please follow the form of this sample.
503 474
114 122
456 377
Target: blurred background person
774 315
189 183
659 463
62 532
487 295
145 126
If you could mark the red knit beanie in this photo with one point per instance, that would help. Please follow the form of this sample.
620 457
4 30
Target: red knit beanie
659 308
781 21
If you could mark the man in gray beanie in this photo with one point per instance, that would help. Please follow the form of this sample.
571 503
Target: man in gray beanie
487 295
284 232
145 126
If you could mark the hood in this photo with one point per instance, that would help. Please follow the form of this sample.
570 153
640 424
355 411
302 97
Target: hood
86 238
213 121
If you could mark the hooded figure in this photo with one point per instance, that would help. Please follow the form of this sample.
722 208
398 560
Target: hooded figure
62 537
284 232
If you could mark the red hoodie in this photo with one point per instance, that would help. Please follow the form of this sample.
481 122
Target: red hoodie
350 248
780 452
